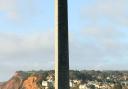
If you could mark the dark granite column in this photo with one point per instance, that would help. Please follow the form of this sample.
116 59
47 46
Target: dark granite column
61 45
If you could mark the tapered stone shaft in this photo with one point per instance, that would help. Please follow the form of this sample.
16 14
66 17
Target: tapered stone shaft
61 45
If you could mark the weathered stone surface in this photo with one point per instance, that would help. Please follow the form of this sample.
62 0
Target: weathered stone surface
30 83
23 81
14 83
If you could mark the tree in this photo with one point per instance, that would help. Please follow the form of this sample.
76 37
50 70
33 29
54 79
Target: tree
117 86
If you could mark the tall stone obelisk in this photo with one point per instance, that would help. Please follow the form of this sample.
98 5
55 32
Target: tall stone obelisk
61 45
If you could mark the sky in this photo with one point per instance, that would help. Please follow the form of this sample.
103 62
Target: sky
98 32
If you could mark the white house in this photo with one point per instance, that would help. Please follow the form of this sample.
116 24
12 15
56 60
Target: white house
45 84
83 86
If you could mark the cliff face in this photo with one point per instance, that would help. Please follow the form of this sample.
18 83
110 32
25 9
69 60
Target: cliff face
22 81
14 83
31 83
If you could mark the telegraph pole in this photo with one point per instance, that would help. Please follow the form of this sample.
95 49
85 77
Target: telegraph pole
61 45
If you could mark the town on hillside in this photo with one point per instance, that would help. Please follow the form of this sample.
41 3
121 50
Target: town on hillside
93 80
84 79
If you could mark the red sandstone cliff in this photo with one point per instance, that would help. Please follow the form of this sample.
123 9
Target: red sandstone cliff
23 81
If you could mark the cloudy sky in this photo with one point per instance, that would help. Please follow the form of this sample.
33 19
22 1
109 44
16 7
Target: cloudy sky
98 32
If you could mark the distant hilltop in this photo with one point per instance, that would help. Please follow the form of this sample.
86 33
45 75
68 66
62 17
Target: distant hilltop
25 80
78 79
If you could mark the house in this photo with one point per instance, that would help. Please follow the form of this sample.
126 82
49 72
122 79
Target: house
47 84
124 82
83 86
71 84
74 83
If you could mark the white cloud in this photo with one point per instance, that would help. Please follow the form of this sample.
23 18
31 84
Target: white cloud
13 43
16 10
108 38
25 52
10 9
106 7
95 46
7 5
114 10
101 40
